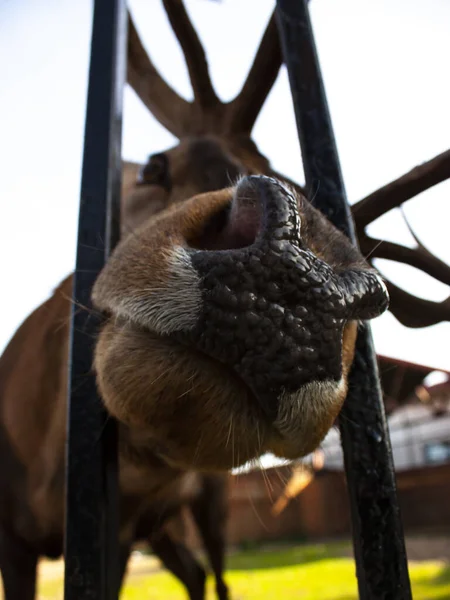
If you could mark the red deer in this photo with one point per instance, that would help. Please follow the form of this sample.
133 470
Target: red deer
231 308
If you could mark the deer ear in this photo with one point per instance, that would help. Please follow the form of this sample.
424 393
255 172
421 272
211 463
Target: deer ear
365 293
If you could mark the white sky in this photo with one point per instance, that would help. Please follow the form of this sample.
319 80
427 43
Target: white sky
385 64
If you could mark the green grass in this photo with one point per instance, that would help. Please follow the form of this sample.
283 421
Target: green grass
303 572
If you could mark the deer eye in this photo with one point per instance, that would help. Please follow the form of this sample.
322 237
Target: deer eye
155 172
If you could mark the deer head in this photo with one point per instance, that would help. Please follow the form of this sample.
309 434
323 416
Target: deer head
233 303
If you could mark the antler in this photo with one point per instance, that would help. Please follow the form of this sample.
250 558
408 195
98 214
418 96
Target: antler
400 190
162 101
245 108
409 310
416 312
194 53
206 114
419 257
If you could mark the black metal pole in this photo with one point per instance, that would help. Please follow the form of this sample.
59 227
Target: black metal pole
380 554
91 530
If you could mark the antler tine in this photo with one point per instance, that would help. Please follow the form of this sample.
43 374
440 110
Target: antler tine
413 234
416 312
442 268
420 257
194 53
402 189
164 103
244 109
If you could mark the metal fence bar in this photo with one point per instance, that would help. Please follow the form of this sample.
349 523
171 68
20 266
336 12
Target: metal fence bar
91 530
377 529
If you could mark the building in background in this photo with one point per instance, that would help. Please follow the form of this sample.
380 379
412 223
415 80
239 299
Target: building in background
418 418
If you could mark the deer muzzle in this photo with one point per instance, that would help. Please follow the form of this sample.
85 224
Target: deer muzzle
272 310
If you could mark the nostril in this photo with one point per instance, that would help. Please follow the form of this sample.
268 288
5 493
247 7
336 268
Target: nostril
245 217
280 220
236 226
261 208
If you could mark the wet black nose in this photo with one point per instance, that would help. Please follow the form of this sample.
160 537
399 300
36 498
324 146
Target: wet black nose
273 311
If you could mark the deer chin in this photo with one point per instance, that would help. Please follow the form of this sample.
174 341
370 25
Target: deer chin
197 411
304 417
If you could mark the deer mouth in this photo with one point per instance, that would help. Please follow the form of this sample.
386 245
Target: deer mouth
271 310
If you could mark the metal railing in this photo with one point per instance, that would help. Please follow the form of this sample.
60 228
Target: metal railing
91 542
92 498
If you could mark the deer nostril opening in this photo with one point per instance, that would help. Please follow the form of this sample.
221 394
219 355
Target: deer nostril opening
261 209
234 227
280 220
